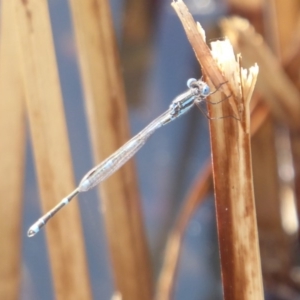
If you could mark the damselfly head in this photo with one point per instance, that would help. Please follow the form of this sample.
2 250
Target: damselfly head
202 86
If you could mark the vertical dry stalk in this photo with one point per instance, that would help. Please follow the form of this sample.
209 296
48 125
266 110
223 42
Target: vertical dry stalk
232 170
107 115
231 157
291 59
282 97
195 197
288 34
285 16
51 149
12 149
136 46
166 282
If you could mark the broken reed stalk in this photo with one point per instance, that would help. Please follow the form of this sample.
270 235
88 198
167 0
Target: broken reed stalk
195 197
232 173
12 150
108 122
236 216
51 149
231 158
279 92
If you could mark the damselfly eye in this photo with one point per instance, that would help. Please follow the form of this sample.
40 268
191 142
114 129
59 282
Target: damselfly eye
190 82
205 90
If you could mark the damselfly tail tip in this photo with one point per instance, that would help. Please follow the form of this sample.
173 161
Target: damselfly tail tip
33 230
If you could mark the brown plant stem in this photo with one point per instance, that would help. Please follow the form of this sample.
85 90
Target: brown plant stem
237 29
265 167
232 172
230 141
108 122
195 197
279 92
51 149
12 150
198 191
291 63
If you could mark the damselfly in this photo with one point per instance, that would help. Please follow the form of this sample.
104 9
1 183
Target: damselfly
197 92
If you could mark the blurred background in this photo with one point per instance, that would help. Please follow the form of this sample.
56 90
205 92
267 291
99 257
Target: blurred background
156 61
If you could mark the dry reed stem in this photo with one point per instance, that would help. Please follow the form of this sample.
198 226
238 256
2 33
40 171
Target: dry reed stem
136 46
295 148
195 197
274 242
277 86
291 58
246 5
292 66
200 188
167 277
230 141
232 172
259 115
196 36
108 121
12 150
286 15
266 181
289 36
51 149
